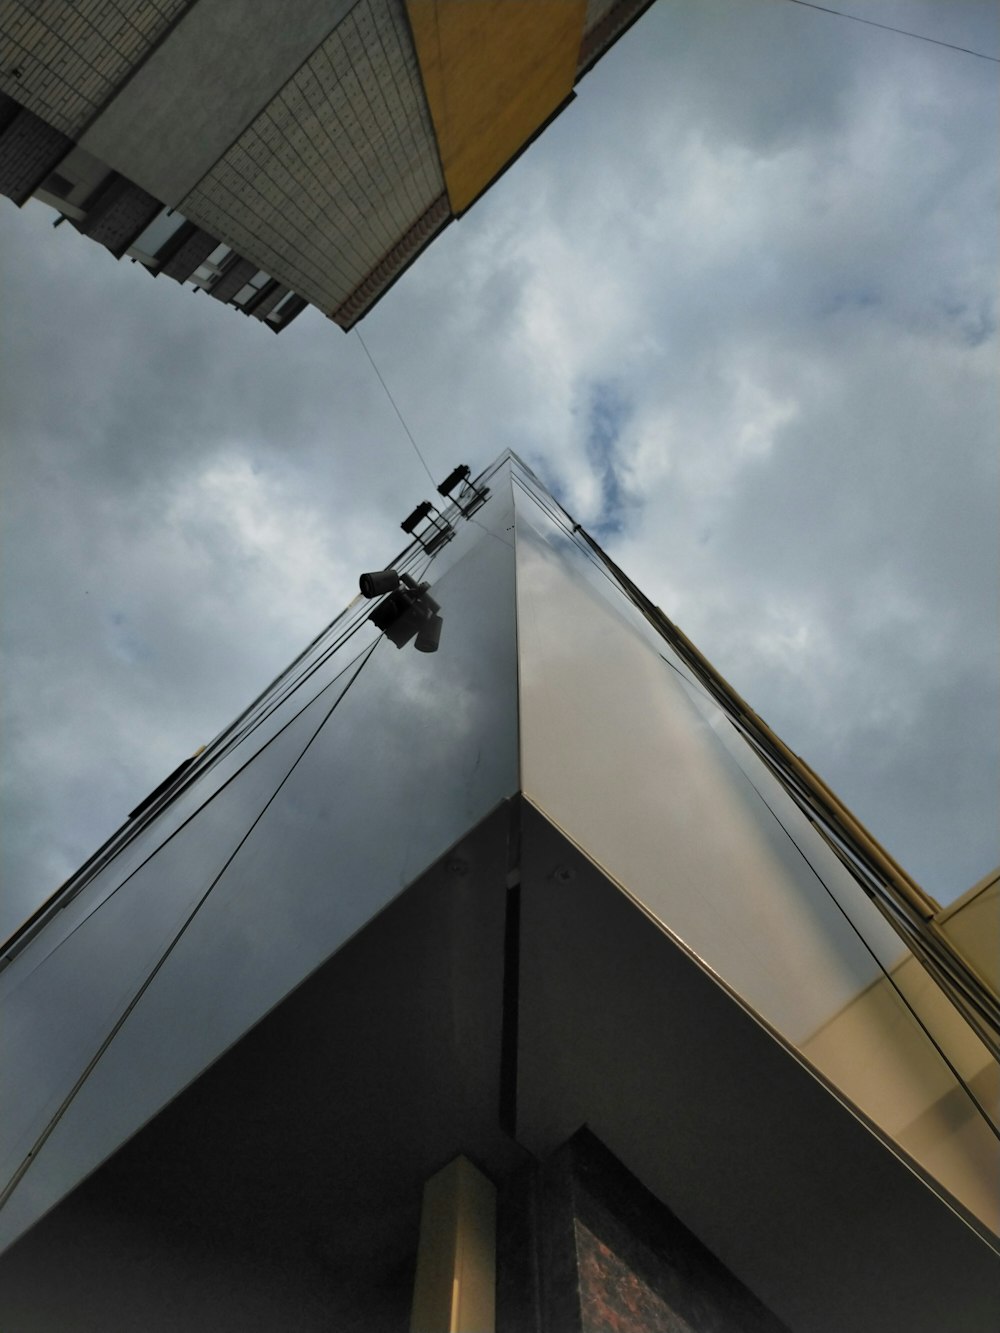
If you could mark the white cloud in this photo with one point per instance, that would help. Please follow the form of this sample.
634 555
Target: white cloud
771 233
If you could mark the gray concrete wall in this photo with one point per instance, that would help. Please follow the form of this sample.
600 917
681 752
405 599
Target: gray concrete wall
224 61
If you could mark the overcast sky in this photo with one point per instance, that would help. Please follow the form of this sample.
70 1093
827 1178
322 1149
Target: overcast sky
737 306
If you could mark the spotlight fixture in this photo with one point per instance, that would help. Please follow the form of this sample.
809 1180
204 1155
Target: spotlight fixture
460 473
470 496
436 532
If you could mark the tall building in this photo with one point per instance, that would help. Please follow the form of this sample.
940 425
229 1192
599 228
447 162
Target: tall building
281 155
499 968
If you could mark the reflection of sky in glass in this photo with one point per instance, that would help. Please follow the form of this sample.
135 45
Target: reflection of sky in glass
315 671
419 748
57 1014
556 528
621 748
624 750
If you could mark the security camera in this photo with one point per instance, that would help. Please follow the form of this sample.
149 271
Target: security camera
429 635
378 582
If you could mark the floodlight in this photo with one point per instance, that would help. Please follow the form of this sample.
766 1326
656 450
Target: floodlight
459 474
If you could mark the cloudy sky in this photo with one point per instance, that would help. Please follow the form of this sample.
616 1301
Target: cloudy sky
737 306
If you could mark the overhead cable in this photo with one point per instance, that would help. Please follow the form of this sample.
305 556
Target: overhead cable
903 32
178 935
392 400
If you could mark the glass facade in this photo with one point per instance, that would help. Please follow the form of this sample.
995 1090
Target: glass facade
627 753
357 769
363 763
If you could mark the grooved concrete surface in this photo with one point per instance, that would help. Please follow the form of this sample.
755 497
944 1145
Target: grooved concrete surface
336 168
64 61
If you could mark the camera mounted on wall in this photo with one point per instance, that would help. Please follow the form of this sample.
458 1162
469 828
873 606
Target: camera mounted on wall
408 612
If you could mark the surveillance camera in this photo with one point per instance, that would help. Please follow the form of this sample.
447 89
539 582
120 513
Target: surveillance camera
378 582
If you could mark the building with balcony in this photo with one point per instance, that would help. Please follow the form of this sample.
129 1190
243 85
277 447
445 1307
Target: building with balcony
284 155
499 968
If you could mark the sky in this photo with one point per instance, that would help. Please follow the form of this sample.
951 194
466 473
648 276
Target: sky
737 308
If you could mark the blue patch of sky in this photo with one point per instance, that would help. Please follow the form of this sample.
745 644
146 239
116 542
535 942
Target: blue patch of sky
608 411
606 414
976 324
126 645
858 298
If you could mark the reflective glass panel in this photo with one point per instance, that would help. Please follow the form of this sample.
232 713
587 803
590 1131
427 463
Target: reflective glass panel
629 757
419 749
222 763
59 1009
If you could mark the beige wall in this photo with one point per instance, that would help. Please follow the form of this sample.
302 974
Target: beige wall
884 1061
972 924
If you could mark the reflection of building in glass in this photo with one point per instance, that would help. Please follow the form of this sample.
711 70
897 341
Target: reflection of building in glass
528 972
281 157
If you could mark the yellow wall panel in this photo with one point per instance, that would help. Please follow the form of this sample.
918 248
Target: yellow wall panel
493 71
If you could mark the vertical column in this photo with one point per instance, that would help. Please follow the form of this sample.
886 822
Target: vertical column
456 1259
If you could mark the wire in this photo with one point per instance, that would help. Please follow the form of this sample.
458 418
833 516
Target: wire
274 696
122 1018
857 864
199 775
98 906
282 690
903 32
570 533
973 1097
392 400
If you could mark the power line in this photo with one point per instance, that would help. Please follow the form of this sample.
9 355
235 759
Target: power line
392 400
886 27
963 1083
178 936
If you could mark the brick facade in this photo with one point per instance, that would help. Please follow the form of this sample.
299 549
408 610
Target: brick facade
392 265
117 217
192 249
334 187
237 275
29 150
